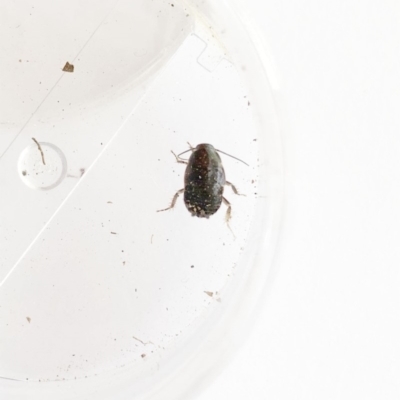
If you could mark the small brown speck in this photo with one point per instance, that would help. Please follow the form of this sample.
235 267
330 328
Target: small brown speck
143 355
113 233
68 67
24 173
28 319
211 294
109 202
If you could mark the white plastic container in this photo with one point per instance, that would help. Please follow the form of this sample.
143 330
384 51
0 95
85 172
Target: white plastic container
101 297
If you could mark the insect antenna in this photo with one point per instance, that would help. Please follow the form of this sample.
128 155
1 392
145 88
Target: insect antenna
232 157
183 152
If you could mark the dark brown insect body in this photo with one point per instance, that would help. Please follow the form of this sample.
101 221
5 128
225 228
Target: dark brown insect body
204 183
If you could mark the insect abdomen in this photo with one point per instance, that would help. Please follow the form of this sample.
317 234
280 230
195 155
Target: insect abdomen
203 200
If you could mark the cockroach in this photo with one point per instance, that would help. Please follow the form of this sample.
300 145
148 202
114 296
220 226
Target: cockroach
204 182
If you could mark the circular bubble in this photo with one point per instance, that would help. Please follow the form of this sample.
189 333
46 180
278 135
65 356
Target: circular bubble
42 166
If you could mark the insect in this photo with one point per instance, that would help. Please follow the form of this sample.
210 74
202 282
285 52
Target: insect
204 182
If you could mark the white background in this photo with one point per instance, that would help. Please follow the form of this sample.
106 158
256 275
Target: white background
330 325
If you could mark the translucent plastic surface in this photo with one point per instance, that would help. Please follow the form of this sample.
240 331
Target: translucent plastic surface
100 295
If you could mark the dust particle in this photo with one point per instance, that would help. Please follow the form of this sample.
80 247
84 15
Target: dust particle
211 294
28 319
68 67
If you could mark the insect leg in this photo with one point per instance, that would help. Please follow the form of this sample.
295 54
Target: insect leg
173 200
234 189
228 211
178 159
228 214
191 147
